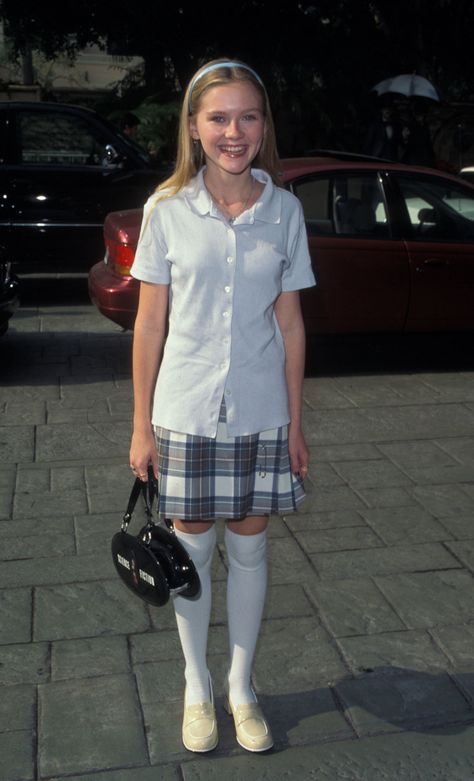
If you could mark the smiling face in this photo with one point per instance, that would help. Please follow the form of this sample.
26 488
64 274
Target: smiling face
230 125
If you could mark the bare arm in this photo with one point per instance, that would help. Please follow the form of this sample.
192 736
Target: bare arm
148 341
290 321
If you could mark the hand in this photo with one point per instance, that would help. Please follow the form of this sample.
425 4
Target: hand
142 453
299 453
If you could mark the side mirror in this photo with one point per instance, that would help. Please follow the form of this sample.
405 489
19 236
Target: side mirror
427 216
112 157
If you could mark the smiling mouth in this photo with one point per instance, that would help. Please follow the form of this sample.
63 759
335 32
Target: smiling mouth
233 150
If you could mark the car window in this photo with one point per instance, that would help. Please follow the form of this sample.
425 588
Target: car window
344 204
54 138
438 209
359 206
314 195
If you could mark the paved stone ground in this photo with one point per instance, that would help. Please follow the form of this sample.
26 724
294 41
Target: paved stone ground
366 660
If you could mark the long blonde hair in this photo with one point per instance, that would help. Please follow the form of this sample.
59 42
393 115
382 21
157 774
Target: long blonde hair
190 156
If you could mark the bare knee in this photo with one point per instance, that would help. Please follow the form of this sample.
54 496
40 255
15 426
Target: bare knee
253 524
192 527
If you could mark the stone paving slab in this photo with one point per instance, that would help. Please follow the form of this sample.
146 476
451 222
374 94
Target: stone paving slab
36 546
24 527
90 724
437 755
316 661
370 473
389 389
444 500
16 756
89 657
357 451
410 649
17 708
396 698
15 615
53 570
330 498
25 663
297 719
396 525
354 607
325 395
87 609
386 424
430 599
464 551
332 519
385 497
457 643
97 440
165 773
7 484
287 563
343 538
460 448
17 443
30 505
383 561
18 413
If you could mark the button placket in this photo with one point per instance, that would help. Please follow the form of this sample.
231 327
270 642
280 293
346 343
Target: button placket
227 292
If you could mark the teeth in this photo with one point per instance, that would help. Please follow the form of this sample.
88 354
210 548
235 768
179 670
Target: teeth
233 148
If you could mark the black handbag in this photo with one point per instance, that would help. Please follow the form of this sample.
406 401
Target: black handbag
153 564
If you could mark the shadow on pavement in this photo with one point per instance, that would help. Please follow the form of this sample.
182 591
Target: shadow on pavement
25 347
389 353
53 291
380 700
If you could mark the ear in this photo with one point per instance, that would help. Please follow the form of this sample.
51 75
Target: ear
193 131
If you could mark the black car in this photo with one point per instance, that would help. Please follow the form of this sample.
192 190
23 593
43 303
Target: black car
62 169
8 295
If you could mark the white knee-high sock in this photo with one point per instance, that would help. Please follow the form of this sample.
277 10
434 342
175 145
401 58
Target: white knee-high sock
192 616
246 590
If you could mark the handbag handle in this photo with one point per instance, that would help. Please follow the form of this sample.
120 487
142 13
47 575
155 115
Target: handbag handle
149 490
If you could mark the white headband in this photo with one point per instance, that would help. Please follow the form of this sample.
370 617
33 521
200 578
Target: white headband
214 67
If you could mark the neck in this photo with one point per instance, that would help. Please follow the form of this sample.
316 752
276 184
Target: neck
229 187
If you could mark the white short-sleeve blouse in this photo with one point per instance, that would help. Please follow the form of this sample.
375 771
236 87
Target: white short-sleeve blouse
224 278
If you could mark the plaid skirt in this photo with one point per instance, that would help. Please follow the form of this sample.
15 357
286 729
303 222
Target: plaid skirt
204 478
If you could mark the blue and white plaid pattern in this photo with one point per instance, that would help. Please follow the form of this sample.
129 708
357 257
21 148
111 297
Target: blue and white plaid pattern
202 478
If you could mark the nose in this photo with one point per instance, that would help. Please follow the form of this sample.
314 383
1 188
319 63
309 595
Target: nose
233 129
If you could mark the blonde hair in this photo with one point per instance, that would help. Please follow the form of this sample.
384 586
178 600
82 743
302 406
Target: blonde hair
190 156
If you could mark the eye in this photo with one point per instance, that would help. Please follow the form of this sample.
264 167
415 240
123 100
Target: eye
217 118
249 117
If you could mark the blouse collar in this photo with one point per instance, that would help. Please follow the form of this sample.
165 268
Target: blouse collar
267 208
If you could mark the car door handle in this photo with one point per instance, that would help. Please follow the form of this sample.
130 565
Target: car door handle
433 263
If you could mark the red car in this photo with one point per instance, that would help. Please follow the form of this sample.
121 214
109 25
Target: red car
392 248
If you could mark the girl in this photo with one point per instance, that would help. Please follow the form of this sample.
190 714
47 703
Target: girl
222 255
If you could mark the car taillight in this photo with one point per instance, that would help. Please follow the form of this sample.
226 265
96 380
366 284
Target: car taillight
119 257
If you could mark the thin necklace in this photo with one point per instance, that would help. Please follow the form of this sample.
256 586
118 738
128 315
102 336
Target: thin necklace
222 206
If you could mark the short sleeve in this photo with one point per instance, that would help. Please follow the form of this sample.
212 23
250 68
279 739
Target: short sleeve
298 273
150 263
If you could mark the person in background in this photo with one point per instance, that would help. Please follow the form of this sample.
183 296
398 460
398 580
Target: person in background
129 125
383 136
416 147
222 255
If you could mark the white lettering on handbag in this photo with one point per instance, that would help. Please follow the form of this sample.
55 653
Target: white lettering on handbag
123 561
146 577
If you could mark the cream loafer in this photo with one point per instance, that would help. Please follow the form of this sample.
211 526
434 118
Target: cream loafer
251 727
200 727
